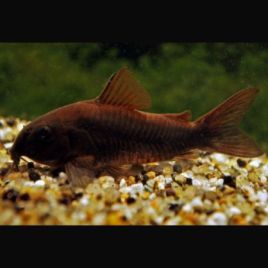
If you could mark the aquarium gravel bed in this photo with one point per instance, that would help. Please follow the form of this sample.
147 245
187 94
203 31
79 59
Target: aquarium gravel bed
214 189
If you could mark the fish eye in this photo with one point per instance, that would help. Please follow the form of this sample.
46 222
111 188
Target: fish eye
44 134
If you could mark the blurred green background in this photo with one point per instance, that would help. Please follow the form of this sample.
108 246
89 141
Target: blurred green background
35 77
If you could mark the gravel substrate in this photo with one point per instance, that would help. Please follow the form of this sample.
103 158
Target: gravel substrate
214 189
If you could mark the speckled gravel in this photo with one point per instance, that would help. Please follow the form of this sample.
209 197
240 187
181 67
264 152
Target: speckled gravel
214 189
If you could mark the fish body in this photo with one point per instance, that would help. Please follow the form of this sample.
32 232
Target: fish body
112 131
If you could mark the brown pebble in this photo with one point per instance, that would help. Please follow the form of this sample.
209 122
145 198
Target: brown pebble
55 172
170 192
130 200
123 218
65 200
211 195
30 165
139 177
11 195
189 181
145 178
259 210
177 168
230 181
108 203
44 216
210 211
11 122
25 197
78 195
33 175
241 163
3 171
152 222
99 197
18 208
175 207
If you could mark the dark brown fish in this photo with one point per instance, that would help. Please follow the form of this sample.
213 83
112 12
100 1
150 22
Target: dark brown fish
110 132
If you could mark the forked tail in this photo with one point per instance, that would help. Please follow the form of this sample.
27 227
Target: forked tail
219 128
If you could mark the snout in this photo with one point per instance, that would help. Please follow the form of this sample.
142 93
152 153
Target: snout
15 155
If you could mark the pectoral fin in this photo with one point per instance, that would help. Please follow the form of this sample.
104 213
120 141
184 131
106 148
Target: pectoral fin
80 171
83 170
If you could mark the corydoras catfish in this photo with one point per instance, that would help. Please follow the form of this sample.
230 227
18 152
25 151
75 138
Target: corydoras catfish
113 132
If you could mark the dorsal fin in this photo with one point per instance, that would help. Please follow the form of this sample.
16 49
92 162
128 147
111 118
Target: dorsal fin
184 116
124 90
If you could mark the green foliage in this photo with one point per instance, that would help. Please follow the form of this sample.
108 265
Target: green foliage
35 78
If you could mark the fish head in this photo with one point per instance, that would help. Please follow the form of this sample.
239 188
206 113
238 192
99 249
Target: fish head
42 141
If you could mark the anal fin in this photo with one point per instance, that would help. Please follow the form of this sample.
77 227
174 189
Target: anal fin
188 155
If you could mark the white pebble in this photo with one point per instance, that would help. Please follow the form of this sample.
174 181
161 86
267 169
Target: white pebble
219 157
8 145
160 178
152 196
263 179
161 186
265 170
234 211
133 189
188 174
136 188
62 175
213 180
243 171
4 132
265 209
217 218
206 185
219 182
150 211
168 180
28 183
264 221
173 221
122 183
196 182
248 189
125 190
147 188
116 207
187 207
128 214
99 219
197 202
84 201
255 162
78 216
151 183
40 183
107 182
262 196
20 126
159 219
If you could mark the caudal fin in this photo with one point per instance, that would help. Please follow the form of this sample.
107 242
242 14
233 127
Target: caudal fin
219 128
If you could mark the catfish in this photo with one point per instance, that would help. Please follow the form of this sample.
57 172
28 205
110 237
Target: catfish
113 134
